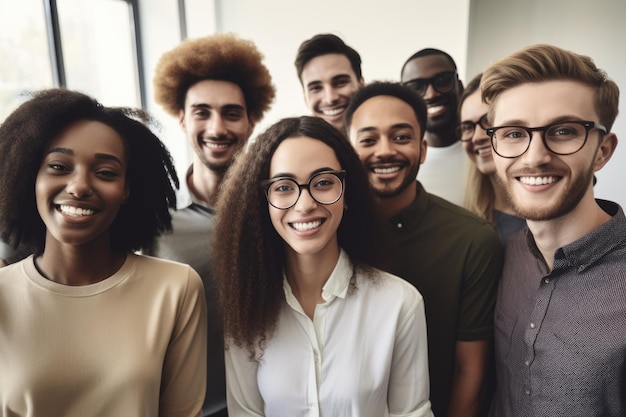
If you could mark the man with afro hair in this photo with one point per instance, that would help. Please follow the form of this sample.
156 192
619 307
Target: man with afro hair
218 89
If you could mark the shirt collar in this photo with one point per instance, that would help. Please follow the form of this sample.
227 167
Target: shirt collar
337 284
184 196
592 247
411 217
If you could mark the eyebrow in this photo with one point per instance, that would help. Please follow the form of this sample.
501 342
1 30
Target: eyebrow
337 77
103 156
232 106
394 126
290 175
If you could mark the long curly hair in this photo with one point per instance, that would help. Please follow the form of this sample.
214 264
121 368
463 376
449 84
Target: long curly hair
217 57
247 252
24 137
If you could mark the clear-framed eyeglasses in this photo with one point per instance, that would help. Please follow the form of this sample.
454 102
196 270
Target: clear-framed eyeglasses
465 130
562 138
325 187
442 83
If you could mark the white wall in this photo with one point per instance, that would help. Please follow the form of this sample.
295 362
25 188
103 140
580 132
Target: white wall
474 32
595 28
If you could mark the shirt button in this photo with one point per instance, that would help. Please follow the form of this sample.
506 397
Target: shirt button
527 392
399 225
532 325
547 280
527 362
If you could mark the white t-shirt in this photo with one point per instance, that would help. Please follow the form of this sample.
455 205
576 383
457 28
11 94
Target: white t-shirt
364 354
443 172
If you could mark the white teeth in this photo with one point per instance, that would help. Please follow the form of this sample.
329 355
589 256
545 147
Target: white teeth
213 145
333 112
75 211
538 180
434 109
483 151
301 227
387 170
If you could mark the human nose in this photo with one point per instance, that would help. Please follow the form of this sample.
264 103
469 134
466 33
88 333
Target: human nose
217 126
384 148
330 95
479 136
430 91
79 185
537 153
305 202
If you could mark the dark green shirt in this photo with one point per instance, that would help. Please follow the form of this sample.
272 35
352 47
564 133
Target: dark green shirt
454 258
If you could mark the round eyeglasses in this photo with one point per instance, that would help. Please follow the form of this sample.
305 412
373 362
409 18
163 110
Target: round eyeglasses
325 187
562 138
442 83
465 130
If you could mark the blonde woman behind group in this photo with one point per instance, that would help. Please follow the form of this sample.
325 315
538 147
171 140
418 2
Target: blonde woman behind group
482 196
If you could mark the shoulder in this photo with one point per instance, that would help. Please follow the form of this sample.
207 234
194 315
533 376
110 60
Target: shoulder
460 219
158 269
386 285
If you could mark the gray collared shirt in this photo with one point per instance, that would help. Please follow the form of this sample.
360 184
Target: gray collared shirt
560 337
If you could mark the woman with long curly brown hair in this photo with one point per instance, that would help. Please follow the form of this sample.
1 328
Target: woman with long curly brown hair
308 321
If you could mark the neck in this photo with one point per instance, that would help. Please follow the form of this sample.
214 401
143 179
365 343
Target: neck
551 235
78 265
307 275
204 183
441 139
390 207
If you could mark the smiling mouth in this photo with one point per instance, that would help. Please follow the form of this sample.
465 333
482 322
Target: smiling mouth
538 180
75 211
386 170
304 226
334 112
482 151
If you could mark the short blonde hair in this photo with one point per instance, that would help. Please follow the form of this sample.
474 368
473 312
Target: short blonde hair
543 62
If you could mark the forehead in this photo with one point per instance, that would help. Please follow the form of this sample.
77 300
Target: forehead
426 67
537 104
90 137
325 67
215 93
383 112
473 107
301 156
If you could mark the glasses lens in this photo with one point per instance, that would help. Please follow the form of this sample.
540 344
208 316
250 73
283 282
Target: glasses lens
283 193
325 187
444 82
510 141
565 138
465 131
418 85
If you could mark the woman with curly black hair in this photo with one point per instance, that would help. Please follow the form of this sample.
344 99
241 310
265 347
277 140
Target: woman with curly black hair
308 322
88 327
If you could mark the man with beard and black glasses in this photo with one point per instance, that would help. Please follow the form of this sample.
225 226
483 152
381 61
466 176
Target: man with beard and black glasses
433 74
218 89
453 257
560 340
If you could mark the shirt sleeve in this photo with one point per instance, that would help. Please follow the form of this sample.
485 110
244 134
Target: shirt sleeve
183 382
242 391
408 382
481 275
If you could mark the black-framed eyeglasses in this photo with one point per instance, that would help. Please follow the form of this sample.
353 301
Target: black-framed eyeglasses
325 187
561 138
465 130
442 83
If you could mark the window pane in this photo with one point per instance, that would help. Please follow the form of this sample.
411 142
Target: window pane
24 57
97 41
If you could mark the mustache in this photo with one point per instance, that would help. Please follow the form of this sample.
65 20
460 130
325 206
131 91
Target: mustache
390 161
220 138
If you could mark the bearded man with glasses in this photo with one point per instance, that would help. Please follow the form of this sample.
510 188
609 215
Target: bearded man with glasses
560 339
433 74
